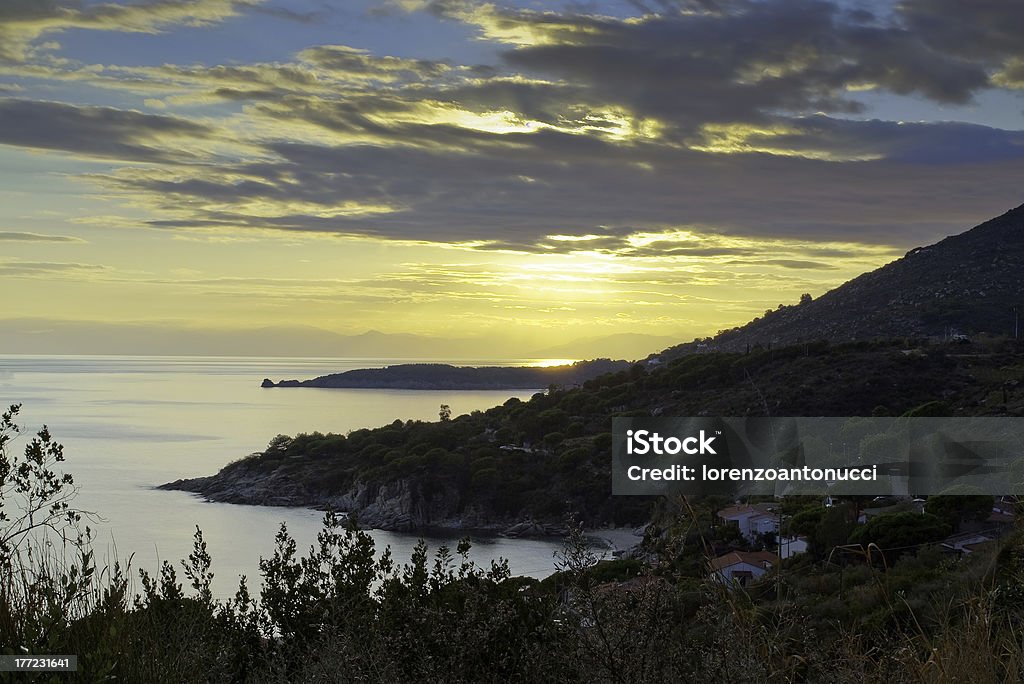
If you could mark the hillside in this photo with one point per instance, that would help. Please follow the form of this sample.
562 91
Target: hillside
967 284
524 466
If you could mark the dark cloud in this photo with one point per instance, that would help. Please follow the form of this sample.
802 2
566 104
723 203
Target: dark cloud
701 114
798 56
981 30
539 185
919 143
94 131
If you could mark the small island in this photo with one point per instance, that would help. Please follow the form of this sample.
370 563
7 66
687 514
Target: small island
440 376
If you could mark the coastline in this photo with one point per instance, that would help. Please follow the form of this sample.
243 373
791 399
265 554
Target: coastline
621 541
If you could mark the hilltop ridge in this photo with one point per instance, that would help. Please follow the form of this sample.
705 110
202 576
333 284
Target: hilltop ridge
965 284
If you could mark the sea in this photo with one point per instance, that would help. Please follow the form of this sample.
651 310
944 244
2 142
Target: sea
129 424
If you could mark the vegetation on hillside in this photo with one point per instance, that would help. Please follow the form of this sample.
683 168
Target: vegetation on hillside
550 456
967 284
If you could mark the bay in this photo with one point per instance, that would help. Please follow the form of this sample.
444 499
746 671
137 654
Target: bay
129 424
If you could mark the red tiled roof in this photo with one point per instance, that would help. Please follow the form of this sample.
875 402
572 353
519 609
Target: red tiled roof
758 558
1000 517
733 511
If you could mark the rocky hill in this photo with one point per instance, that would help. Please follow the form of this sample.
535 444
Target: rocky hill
964 285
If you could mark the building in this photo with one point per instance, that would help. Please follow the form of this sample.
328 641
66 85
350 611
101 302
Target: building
742 567
791 546
753 520
966 543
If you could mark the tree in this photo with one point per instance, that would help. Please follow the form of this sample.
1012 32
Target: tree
898 533
956 508
35 497
805 298
445 414
47 573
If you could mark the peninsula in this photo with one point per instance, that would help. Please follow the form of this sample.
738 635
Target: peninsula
440 376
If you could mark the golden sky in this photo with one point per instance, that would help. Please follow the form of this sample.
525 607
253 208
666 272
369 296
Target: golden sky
519 175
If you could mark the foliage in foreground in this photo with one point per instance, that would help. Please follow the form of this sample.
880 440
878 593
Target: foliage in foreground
343 612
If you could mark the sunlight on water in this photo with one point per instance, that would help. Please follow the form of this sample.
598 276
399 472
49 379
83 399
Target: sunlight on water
550 363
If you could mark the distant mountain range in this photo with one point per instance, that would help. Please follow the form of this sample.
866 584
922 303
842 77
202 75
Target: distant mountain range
963 285
45 336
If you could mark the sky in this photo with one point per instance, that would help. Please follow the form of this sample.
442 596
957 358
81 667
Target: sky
511 174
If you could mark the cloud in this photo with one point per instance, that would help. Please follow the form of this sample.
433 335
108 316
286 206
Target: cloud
358 63
788 263
590 129
50 269
6 236
103 132
823 137
312 17
986 31
1013 75
736 63
335 70
22 22
513 191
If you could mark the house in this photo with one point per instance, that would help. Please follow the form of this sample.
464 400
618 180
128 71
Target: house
1003 515
791 546
752 520
966 543
742 567
902 506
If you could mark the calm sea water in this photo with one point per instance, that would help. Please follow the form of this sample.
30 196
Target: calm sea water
130 423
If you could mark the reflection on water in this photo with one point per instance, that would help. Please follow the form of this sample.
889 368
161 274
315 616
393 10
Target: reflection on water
129 424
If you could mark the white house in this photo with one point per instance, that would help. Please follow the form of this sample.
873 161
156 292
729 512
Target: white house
791 546
742 567
753 520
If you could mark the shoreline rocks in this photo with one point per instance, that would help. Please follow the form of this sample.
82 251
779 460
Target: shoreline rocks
398 506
